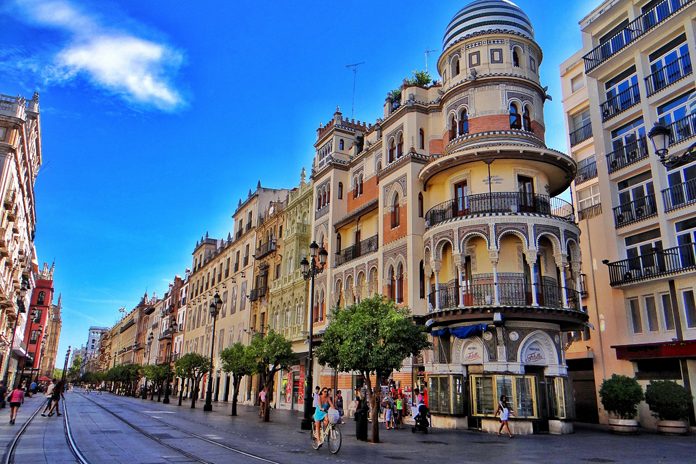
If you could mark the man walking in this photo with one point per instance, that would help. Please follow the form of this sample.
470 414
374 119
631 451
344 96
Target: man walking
49 397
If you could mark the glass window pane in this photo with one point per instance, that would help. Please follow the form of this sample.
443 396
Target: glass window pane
434 396
483 392
524 397
667 311
503 386
653 324
634 308
458 394
690 308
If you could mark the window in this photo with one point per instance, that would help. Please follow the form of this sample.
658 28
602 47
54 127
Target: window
455 66
400 145
689 308
452 128
636 197
420 204
338 243
686 240
360 184
634 310
34 337
682 186
515 120
392 283
41 299
515 57
526 119
446 394
243 296
651 310
249 216
621 93
677 112
399 283
463 122
246 255
667 314
341 144
421 139
579 120
669 64
640 251
395 219
577 83
340 190
236 262
521 390
628 143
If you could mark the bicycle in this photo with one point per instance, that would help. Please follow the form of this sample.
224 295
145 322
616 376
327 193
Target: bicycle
330 433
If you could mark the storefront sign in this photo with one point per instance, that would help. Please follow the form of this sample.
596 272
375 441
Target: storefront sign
534 354
473 353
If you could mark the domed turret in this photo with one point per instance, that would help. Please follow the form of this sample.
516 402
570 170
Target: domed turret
487 16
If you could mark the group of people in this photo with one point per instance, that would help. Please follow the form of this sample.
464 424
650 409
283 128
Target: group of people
53 394
395 408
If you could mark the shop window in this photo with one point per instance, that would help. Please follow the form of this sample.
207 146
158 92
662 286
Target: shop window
446 394
521 390
557 397
658 369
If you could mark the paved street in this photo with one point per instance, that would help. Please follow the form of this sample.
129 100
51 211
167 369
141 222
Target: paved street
111 429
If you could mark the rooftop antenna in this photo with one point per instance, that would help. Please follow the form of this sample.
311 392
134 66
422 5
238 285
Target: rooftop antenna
354 68
427 56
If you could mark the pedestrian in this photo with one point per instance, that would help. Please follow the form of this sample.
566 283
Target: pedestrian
361 411
388 415
16 398
504 413
399 410
49 397
55 398
315 399
419 397
3 393
262 402
339 404
32 387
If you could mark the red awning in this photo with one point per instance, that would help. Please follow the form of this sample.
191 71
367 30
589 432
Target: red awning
684 349
43 378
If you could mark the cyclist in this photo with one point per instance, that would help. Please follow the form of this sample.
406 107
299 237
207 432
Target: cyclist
320 415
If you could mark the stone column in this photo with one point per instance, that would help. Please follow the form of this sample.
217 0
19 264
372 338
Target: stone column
459 263
494 257
562 264
436 270
576 267
531 257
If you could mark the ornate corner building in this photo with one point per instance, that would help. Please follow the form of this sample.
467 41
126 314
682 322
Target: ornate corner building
637 216
449 205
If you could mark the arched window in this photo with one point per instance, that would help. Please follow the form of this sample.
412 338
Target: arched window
515 120
421 139
400 283
338 243
526 119
400 146
323 197
420 204
463 122
341 144
452 128
355 187
340 190
515 57
421 280
391 155
395 212
322 306
41 298
318 199
455 66
328 194
392 283
360 185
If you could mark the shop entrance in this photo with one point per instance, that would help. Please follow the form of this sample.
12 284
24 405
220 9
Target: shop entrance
541 424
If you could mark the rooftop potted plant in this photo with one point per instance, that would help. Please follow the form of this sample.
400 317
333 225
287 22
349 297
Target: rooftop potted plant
669 402
620 397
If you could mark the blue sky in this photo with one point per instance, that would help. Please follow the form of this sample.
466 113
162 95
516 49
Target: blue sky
158 116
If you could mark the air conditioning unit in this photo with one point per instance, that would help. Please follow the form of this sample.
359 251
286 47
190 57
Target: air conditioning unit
640 211
633 155
620 218
630 275
614 164
649 270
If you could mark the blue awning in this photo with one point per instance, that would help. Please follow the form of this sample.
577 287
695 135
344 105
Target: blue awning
460 332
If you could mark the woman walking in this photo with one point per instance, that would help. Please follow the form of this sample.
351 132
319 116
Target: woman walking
16 398
504 412
55 398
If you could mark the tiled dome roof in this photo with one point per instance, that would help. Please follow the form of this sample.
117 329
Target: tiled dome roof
485 15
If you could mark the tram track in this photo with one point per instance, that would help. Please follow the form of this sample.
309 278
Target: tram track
179 429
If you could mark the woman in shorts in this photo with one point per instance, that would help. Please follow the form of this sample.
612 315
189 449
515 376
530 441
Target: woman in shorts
16 398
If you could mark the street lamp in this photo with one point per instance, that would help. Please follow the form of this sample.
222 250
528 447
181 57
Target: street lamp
172 328
215 307
150 337
65 366
660 136
310 269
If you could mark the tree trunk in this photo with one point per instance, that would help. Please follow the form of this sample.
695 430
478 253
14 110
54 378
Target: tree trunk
195 395
373 398
159 391
235 394
269 397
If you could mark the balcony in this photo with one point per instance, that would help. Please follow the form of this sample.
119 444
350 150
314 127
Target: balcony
633 31
628 154
635 211
585 173
367 246
549 295
620 102
581 134
680 195
682 129
669 74
655 264
265 249
257 293
499 202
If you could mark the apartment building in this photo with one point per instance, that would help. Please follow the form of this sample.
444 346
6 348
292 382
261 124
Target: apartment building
637 216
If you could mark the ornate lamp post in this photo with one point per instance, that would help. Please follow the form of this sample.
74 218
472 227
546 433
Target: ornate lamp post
172 328
150 337
311 269
215 307
660 136
65 366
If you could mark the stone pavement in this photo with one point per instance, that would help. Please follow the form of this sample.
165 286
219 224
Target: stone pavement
158 433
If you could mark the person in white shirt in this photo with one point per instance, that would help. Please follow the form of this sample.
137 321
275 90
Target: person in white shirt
49 395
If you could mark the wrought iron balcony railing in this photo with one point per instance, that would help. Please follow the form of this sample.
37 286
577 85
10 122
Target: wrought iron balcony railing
265 249
369 245
581 134
628 154
634 30
682 129
655 264
258 292
634 211
585 173
499 202
669 74
679 195
620 102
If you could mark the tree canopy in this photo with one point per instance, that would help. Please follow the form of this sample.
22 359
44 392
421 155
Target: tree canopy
192 366
239 360
272 353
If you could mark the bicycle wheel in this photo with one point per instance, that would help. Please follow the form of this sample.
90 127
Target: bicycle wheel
335 439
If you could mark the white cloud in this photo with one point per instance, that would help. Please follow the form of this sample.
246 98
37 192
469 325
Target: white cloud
133 67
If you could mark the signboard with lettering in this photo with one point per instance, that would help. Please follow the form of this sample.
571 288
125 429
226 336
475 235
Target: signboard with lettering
534 354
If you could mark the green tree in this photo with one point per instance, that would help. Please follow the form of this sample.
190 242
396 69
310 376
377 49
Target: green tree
125 377
192 366
156 374
371 337
238 360
272 352
74 370
419 78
